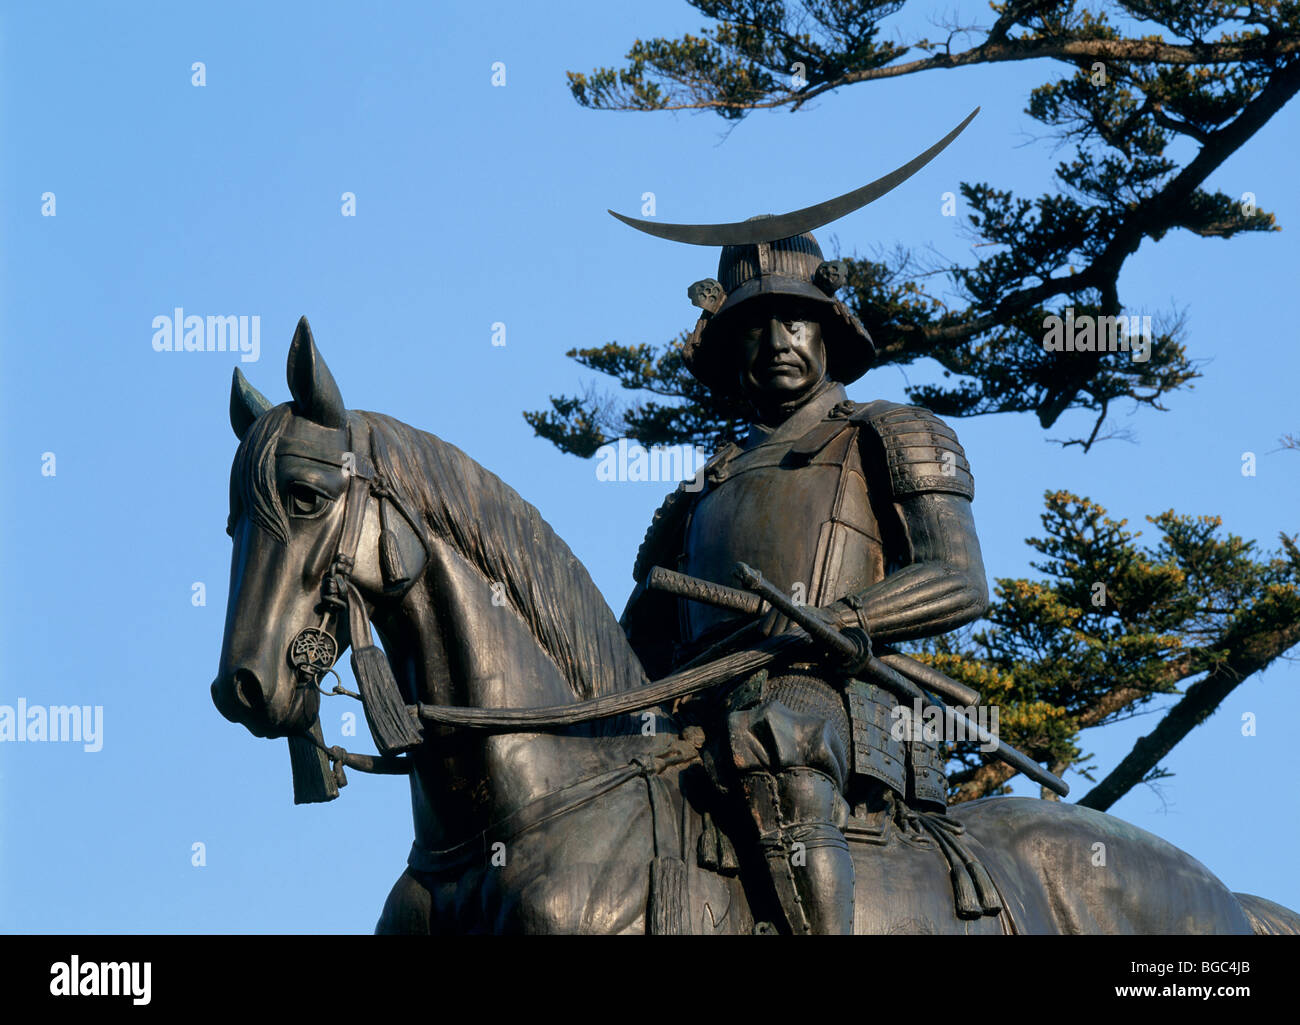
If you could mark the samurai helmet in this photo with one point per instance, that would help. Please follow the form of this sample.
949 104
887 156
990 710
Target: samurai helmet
759 274
772 256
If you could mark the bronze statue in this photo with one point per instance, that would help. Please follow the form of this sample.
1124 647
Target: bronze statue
542 803
756 784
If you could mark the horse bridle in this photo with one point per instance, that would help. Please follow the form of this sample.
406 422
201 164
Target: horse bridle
314 650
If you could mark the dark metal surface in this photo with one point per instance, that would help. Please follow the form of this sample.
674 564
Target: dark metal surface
749 604
730 811
796 222
853 649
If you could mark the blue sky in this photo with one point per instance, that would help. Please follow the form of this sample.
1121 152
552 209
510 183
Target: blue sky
475 205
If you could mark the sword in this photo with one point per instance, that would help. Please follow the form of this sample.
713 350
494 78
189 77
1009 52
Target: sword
853 649
748 604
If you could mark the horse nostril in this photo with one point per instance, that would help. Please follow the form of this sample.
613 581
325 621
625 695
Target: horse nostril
248 689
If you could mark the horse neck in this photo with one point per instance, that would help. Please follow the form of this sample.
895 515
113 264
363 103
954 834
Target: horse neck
459 646
442 805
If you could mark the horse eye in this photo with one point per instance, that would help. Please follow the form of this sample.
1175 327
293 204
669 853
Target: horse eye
305 501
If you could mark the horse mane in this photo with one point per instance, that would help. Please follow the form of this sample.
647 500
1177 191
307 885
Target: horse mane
505 538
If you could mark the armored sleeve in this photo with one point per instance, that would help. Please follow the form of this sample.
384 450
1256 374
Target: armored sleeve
922 453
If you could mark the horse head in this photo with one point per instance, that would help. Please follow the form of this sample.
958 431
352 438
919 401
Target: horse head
291 486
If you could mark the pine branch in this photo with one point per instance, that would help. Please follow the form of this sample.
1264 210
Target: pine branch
1197 705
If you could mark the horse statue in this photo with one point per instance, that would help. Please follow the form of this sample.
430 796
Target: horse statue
531 815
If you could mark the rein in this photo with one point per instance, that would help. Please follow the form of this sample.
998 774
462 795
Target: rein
395 726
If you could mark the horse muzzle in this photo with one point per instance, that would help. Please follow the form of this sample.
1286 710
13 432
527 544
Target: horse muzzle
241 697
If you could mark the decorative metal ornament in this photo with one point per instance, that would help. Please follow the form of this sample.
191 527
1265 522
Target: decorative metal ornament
773 271
313 651
831 276
708 295
796 222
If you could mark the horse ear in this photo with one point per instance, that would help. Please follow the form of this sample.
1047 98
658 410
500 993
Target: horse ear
311 384
246 404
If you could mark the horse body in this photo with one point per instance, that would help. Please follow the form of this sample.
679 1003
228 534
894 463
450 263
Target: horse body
588 873
514 832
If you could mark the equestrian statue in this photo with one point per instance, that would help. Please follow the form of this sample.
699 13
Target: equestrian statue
724 759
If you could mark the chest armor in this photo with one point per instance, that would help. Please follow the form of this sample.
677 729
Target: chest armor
800 512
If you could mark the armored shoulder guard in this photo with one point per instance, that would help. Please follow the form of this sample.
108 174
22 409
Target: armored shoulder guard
922 452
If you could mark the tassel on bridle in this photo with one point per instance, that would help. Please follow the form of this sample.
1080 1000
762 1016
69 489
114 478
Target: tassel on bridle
391 724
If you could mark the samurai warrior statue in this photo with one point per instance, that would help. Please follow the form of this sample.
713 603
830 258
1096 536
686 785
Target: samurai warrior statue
861 511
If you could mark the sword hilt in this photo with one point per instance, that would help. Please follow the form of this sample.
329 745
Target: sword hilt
705 591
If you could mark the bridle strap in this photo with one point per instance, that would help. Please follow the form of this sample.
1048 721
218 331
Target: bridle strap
339 596
354 513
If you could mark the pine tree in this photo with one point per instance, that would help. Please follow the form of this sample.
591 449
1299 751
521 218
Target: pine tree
1110 625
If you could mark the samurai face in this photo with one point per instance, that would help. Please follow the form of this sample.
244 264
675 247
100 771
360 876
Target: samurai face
782 355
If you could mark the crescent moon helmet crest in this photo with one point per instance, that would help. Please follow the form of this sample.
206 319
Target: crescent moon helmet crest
796 222
775 259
